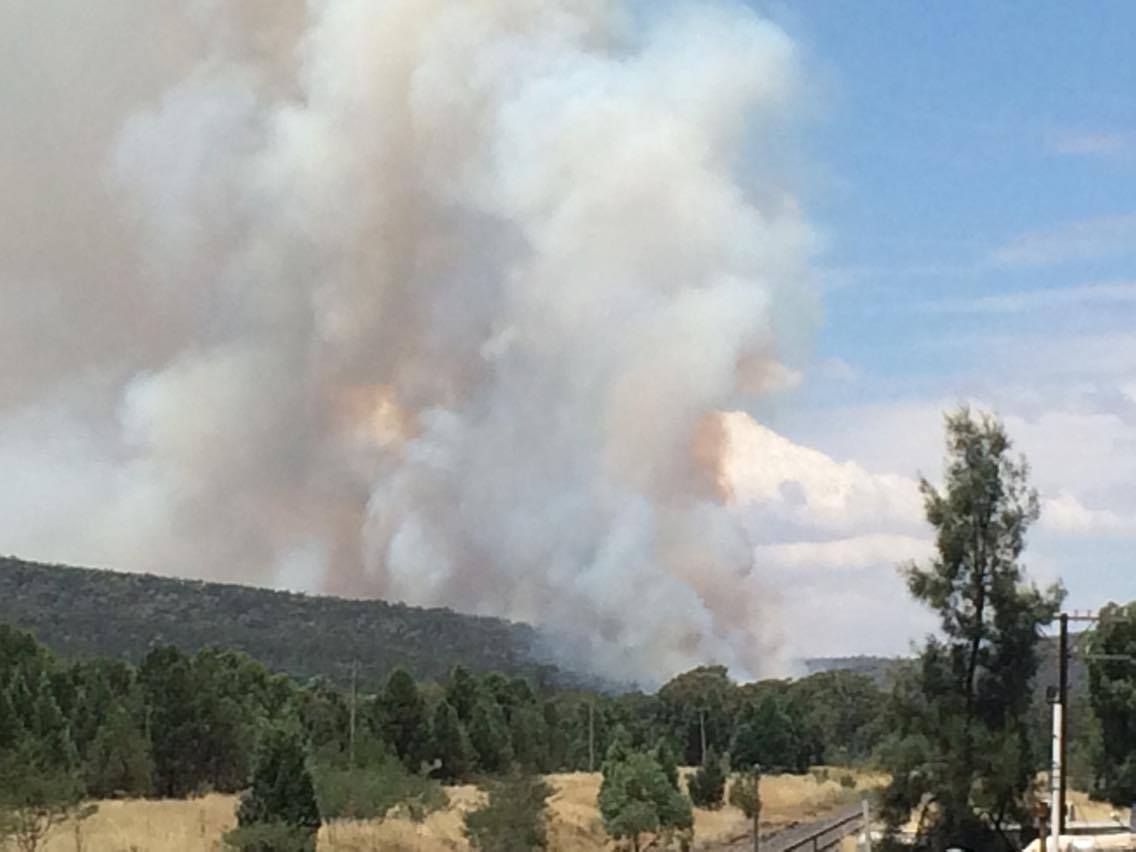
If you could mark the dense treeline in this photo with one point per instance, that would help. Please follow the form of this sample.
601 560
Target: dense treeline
177 723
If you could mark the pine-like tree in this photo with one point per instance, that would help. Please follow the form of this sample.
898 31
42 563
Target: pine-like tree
173 726
402 721
961 720
489 735
451 743
282 799
50 731
529 736
461 693
556 754
664 755
11 728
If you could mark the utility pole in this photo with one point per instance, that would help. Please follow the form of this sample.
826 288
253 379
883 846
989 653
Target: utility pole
1061 722
757 807
354 700
1056 774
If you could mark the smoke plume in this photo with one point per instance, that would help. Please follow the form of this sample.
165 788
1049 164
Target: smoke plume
430 300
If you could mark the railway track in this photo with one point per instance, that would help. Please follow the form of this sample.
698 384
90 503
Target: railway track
813 836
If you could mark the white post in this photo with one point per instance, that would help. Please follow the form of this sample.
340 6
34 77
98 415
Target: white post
1055 779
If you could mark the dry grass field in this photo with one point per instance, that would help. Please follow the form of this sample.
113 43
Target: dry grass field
196 825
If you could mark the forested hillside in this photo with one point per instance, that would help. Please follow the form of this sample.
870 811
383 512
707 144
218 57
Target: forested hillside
80 612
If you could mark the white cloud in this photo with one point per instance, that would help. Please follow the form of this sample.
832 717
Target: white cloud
857 551
829 535
1100 294
773 478
1086 239
1066 514
1089 143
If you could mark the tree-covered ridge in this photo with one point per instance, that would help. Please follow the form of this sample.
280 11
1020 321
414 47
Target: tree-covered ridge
80 612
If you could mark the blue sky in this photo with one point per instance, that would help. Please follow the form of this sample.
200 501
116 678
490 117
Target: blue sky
972 167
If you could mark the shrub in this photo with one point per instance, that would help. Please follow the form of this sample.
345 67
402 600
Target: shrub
514 817
345 793
269 837
707 787
743 794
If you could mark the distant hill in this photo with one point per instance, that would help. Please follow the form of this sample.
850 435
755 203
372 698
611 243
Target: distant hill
81 612
883 670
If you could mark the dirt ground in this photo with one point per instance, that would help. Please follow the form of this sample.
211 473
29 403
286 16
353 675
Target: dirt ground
196 825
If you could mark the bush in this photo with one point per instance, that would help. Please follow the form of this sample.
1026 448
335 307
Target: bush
514 817
707 787
848 781
743 794
269 837
345 793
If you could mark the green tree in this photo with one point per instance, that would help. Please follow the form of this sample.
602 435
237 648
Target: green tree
619 748
636 797
698 709
707 787
514 818
556 751
36 794
400 712
11 728
529 737
773 735
461 693
489 735
451 743
664 755
118 762
49 730
1112 688
842 713
172 723
961 724
282 799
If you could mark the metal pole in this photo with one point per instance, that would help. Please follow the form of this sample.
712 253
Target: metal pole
756 807
1063 698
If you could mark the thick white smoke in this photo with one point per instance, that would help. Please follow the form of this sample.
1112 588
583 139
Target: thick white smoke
426 299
